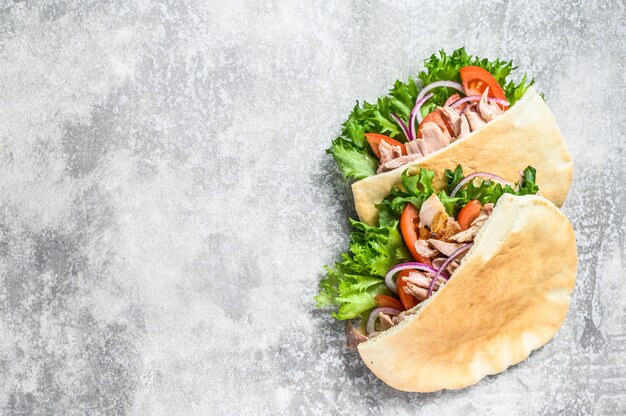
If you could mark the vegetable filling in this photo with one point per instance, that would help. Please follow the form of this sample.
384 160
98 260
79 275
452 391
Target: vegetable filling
420 241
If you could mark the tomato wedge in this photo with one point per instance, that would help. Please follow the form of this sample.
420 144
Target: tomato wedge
407 300
469 213
476 79
435 117
408 226
374 140
386 301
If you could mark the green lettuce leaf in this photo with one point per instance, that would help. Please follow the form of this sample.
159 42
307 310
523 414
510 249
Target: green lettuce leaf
352 284
487 191
354 163
418 187
453 178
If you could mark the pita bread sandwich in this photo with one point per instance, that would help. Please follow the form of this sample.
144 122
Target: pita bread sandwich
463 110
454 285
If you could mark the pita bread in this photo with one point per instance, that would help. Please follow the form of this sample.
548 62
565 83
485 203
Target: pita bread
506 299
527 134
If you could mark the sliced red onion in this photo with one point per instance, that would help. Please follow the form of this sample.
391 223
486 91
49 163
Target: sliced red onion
402 125
445 264
476 175
422 94
499 101
465 100
449 84
369 328
412 265
477 98
416 114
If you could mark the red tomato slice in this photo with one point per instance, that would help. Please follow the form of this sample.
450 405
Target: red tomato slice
408 226
374 140
407 300
435 117
476 79
386 301
469 213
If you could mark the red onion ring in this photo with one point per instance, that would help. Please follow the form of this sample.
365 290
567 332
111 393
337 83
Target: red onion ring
369 328
412 265
417 114
449 84
477 98
403 126
475 175
464 100
445 264
422 94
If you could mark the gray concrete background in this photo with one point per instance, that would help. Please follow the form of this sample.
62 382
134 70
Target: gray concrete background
166 205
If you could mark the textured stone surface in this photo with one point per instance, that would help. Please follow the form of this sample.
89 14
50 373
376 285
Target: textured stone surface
166 205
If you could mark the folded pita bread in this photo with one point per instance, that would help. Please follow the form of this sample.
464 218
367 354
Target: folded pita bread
506 299
527 134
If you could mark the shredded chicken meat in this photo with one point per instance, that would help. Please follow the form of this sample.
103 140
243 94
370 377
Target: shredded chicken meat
432 137
388 152
417 284
443 247
399 318
353 336
397 162
439 237
425 249
385 321
430 209
451 267
468 235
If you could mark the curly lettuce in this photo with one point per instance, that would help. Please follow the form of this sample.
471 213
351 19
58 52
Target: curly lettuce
417 187
352 283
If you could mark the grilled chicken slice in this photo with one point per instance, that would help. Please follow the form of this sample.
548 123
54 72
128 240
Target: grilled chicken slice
424 249
488 111
385 321
434 138
466 236
451 267
444 226
473 117
353 336
429 210
417 284
397 162
388 152
445 248
412 148
458 122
